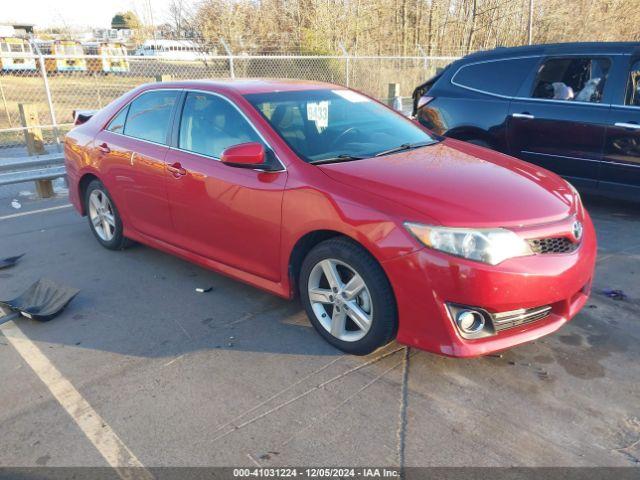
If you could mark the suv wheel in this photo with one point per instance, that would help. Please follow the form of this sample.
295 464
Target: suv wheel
347 297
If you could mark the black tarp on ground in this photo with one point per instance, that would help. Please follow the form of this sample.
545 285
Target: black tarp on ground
42 301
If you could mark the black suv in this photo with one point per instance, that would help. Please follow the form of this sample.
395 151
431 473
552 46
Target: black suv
572 108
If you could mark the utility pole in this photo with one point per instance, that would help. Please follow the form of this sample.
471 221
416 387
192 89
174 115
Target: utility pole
530 31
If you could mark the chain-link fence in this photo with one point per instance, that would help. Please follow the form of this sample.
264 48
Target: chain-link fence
39 93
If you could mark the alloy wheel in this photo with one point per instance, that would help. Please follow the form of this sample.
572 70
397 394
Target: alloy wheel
340 300
101 215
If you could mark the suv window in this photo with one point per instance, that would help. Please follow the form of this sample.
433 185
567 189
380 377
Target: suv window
210 124
633 86
149 115
501 77
579 79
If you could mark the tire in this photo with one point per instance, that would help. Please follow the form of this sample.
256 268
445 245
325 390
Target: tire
327 303
104 218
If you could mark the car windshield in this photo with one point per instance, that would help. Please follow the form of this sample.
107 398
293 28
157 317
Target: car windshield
337 125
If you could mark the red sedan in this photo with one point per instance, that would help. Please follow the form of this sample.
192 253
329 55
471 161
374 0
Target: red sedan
383 229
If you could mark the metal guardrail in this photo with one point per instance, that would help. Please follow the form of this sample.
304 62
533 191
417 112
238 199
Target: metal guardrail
27 169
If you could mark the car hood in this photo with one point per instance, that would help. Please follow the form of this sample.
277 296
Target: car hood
460 184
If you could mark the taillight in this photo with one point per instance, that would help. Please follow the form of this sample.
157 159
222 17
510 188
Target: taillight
82 116
423 101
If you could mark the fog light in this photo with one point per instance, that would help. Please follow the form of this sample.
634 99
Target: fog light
470 321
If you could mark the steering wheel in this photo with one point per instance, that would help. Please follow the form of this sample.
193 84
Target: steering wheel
348 131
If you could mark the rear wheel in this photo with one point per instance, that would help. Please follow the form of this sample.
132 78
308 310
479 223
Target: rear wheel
104 219
347 297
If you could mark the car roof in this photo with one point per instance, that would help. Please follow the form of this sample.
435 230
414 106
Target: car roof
556 48
244 87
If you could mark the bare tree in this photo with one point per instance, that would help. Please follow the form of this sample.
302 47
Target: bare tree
396 26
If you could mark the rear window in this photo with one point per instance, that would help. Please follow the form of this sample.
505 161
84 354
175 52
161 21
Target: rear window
149 115
579 79
117 124
633 87
499 77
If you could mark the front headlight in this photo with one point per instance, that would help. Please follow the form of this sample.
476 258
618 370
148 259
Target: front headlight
490 245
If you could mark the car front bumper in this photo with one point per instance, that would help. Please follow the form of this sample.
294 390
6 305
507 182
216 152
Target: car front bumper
426 280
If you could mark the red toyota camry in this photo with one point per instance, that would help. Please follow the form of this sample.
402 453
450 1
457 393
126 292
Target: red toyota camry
383 229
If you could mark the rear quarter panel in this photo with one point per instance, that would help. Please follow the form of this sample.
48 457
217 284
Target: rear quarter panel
456 114
78 145
79 149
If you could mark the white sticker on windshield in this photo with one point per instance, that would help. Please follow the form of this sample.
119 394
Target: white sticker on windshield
318 112
350 95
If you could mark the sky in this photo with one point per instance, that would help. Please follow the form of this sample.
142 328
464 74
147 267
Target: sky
79 13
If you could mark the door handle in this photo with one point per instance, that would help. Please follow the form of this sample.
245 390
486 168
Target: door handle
524 115
176 169
629 125
104 148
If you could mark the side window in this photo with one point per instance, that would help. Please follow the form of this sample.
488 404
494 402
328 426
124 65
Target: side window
501 77
579 79
210 124
116 124
149 115
633 86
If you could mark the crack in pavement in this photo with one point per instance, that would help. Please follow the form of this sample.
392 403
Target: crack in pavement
303 394
342 403
402 414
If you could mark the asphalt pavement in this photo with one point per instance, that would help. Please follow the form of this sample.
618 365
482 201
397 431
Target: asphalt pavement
238 377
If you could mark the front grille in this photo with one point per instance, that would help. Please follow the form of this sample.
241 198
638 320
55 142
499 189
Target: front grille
505 320
552 245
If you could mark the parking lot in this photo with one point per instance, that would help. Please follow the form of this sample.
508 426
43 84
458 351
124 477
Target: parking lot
238 377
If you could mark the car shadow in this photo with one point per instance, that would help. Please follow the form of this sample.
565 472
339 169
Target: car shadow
143 302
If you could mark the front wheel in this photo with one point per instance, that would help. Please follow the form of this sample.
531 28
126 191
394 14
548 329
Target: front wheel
347 297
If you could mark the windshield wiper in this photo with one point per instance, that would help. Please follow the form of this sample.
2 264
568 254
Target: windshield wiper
404 146
338 158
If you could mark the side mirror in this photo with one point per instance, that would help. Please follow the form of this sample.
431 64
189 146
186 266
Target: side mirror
245 155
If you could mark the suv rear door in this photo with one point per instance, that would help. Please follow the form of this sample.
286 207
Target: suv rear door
621 167
559 119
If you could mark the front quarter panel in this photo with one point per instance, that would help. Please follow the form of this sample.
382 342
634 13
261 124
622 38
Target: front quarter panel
314 202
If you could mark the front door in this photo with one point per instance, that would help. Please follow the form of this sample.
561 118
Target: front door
231 215
561 124
621 166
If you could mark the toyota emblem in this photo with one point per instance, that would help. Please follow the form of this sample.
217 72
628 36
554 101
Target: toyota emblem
577 230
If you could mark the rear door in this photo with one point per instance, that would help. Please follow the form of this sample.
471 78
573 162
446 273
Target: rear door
621 166
133 149
231 215
473 103
559 121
